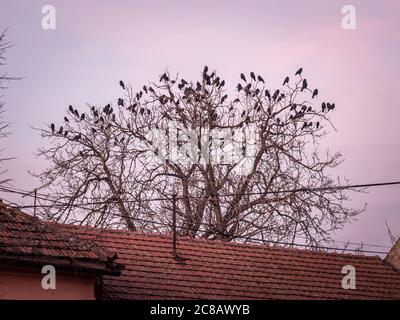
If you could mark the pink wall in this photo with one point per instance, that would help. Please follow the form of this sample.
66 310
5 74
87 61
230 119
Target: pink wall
26 285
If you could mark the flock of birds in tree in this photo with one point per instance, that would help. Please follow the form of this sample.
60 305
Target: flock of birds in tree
191 92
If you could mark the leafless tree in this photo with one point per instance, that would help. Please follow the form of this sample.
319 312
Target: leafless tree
4 46
243 167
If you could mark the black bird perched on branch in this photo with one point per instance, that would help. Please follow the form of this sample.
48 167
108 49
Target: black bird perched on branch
243 77
106 109
66 119
52 126
122 84
71 109
267 94
60 131
121 102
298 72
239 87
304 85
205 70
315 93
222 83
276 93
286 81
164 77
82 116
323 107
76 113
259 78
253 76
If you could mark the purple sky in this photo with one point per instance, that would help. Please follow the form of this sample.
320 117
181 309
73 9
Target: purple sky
97 43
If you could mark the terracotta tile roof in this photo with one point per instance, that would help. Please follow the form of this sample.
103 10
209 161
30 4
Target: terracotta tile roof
219 270
28 240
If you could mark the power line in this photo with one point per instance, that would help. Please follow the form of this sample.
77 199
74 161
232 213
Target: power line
248 238
82 206
305 189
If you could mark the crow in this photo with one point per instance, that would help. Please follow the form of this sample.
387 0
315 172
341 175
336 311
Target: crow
298 72
304 85
106 108
253 76
317 125
120 102
315 93
259 78
205 70
276 93
52 126
122 84
76 113
61 130
66 119
332 106
267 94
222 83
82 116
243 113
286 81
323 106
243 77
224 98
164 77
239 87
71 109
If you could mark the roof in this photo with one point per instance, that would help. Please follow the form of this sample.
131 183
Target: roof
218 270
26 240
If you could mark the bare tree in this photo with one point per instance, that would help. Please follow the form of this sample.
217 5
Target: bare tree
4 46
242 167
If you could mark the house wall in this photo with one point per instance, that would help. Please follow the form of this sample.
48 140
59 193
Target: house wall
26 284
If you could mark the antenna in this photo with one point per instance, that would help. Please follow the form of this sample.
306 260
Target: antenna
34 203
174 250
174 254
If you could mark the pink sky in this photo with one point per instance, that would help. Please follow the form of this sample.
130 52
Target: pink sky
97 43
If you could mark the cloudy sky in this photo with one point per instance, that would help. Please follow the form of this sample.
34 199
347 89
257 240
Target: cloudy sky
97 43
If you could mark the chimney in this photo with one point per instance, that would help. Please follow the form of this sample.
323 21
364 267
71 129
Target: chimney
393 256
